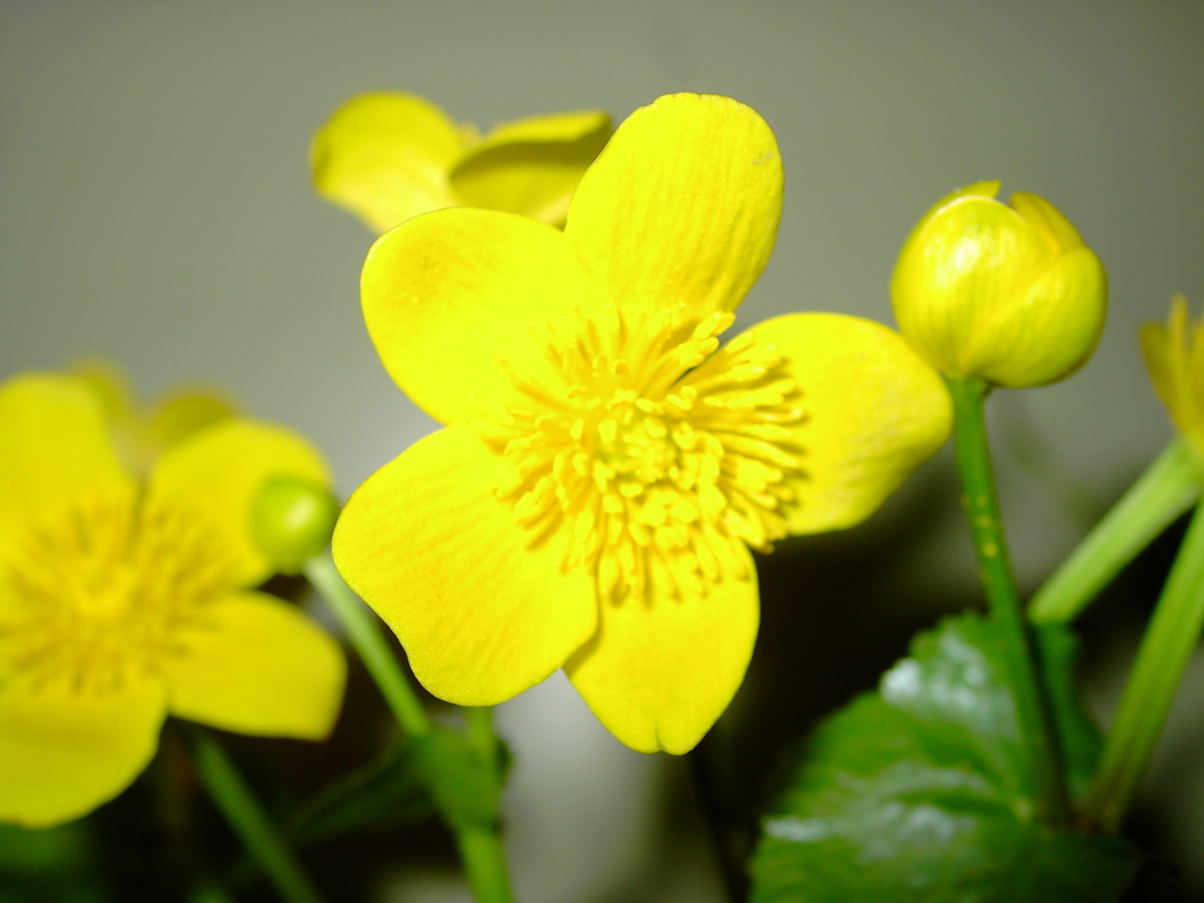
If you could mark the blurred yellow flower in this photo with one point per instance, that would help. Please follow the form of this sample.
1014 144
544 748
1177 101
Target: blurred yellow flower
607 464
123 601
387 157
1174 355
1006 294
143 432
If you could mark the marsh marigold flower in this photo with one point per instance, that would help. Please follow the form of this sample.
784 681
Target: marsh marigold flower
1174 356
387 157
123 601
1008 294
607 464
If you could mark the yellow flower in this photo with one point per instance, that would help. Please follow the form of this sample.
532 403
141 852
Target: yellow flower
606 464
1006 294
1174 355
143 432
123 601
390 156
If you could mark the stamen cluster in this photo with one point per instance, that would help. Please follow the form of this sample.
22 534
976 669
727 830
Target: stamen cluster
663 456
104 586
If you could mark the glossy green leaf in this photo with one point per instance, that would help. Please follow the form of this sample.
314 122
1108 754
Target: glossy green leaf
920 792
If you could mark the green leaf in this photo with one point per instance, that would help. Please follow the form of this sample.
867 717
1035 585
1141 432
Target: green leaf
418 777
466 786
920 792
385 793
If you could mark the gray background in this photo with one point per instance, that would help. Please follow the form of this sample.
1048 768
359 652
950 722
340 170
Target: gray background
156 209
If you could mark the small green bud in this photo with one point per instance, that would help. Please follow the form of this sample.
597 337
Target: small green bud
292 521
1008 294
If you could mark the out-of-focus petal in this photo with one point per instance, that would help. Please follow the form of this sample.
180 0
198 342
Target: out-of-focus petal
65 751
54 449
531 166
386 157
483 613
256 665
216 475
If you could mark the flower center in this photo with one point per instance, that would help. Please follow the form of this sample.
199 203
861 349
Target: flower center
100 589
664 458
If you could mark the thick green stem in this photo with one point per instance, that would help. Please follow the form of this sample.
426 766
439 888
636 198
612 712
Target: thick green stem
1165 650
234 798
1033 708
1168 487
480 848
366 637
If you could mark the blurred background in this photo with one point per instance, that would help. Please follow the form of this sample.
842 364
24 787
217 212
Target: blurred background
157 211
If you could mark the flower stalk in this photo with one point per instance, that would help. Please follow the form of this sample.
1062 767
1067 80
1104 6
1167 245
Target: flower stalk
1169 486
242 810
480 847
1033 707
366 638
1161 660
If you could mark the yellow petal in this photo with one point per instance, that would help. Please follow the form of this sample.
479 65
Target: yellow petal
110 384
256 665
63 752
874 411
1051 330
456 300
482 613
531 166
217 474
659 674
54 447
386 158
681 206
1047 220
181 413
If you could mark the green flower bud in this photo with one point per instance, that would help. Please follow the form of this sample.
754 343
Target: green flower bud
1008 294
292 521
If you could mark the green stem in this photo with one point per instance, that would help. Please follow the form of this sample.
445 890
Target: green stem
365 636
480 731
1033 708
1169 641
234 798
480 848
1168 487
485 861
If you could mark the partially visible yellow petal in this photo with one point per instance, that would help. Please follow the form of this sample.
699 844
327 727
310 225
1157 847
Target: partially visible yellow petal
217 474
54 448
64 752
1174 357
256 665
483 613
681 206
1048 220
658 674
386 157
531 166
874 411
456 300
183 412
1068 301
110 384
